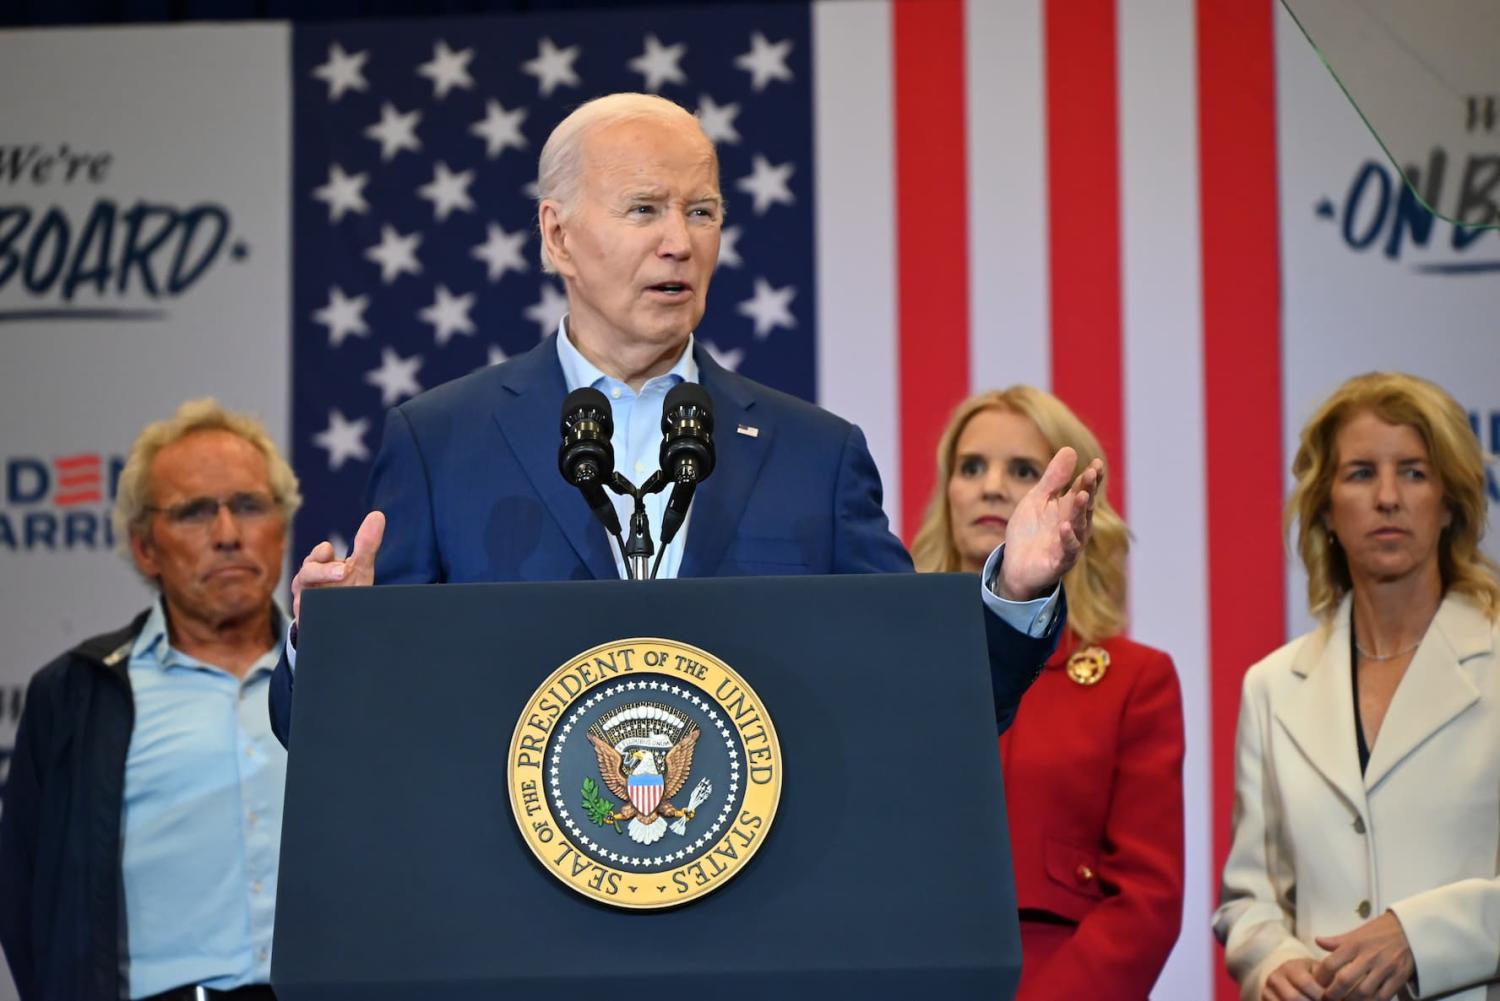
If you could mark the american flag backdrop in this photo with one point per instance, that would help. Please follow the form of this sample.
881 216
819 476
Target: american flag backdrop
926 198
416 252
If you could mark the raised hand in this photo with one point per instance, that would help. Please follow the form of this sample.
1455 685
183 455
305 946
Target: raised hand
1293 981
323 569
1370 963
1049 528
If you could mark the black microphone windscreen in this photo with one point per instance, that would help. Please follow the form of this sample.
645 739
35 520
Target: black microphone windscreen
690 394
687 447
586 456
585 397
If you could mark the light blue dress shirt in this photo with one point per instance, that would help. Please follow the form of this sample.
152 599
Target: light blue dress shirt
1033 617
204 778
637 439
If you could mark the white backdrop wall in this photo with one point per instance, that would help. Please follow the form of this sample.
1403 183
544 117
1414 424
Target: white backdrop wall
1368 280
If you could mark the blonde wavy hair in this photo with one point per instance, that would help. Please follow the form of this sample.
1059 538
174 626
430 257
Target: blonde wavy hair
1096 585
1455 457
132 514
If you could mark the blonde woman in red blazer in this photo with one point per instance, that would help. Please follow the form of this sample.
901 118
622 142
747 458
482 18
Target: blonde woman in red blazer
1093 761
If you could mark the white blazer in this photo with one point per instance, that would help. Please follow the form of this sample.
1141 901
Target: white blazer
1317 848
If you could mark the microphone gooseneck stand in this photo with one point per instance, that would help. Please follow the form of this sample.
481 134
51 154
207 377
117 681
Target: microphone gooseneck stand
637 547
586 459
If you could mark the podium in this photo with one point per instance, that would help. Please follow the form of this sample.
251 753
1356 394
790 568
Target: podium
885 874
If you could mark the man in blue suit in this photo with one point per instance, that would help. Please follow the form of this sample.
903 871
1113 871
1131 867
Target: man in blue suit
467 478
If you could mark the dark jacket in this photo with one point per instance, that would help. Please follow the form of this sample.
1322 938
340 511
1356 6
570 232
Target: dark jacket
467 478
62 899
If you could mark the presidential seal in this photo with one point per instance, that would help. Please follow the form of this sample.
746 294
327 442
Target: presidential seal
644 773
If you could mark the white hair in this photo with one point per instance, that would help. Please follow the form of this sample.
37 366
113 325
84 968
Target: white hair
134 494
560 168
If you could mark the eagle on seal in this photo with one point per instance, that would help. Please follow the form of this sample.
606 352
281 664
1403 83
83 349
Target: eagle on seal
631 774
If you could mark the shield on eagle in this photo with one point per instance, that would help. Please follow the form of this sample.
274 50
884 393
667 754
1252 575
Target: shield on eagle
645 792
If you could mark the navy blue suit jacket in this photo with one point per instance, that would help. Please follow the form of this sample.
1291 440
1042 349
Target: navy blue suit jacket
467 477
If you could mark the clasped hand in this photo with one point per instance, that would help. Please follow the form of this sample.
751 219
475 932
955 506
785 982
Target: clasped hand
1370 963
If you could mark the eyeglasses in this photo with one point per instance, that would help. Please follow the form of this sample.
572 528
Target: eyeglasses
202 511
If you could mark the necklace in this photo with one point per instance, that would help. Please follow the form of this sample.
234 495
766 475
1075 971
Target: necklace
1367 655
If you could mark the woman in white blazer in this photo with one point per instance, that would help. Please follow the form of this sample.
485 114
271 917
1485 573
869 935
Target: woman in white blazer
1367 789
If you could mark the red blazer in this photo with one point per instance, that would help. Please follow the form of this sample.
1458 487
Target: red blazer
1093 790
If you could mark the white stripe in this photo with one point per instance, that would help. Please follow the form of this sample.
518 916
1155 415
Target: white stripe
1009 314
1320 141
1164 445
854 156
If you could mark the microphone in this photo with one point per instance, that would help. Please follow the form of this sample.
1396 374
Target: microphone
687 450
586 457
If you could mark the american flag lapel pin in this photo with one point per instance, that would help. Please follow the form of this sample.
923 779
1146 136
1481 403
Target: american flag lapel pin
748 431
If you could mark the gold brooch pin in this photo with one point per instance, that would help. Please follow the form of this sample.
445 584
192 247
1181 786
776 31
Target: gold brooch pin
1089 665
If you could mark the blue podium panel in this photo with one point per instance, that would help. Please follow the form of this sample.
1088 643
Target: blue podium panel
886 872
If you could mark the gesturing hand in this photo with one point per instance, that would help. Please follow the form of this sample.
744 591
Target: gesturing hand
322 569
1293 981
1049 528
1370 963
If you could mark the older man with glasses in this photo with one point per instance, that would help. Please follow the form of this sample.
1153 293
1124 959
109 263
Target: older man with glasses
142 820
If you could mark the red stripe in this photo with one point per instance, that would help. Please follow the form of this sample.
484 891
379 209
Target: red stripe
1242 369
81 497
1083 169
931 236
78 479
71 462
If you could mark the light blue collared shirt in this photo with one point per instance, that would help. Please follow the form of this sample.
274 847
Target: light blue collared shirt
204 779
637 439
1033 617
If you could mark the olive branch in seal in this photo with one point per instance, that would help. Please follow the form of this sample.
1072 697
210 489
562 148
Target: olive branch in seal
596 805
